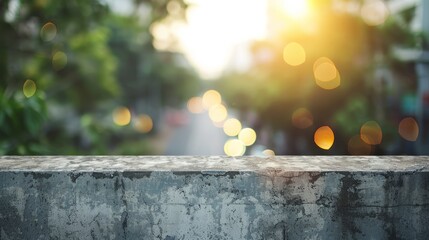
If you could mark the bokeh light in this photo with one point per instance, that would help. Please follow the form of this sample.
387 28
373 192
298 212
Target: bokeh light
195 105
211 98
409 129
121 116
356 146
232 127
371 133
302 118
247 136
326 74
59 60
218 113
268 152
29 88
329 85
294 54
324 137
234 148
48 31
143 123
374 12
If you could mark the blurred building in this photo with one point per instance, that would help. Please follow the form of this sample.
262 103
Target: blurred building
420 57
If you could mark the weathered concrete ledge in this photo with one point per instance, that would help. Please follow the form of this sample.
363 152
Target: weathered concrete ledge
159 197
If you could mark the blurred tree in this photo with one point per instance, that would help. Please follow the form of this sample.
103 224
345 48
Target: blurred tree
86 60
146 74
22 123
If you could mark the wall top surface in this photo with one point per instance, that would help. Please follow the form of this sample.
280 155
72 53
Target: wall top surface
214 163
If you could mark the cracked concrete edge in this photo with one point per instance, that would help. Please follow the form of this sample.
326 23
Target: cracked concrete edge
215 164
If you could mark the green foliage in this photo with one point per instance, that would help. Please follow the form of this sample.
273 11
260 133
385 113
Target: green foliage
94 60
21 121
145 73
96 65
352 116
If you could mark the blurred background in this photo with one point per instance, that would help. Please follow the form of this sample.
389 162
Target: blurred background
214 77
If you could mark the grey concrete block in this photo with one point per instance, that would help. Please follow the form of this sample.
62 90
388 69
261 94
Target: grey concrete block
214 197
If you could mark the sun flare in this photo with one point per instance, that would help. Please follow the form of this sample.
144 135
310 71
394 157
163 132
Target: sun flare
296 9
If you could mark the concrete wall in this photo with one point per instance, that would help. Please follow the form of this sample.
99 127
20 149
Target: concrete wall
214 198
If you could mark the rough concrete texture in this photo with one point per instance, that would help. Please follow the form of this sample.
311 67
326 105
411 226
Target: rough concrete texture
214 198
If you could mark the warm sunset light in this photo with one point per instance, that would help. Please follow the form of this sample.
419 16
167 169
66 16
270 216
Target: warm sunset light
294 54
408 129
371 133
296 9
216 30
294 77
324 137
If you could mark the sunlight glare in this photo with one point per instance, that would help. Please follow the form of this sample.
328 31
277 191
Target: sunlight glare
296 9
215 31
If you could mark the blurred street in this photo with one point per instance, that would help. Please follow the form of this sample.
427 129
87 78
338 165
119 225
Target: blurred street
198 136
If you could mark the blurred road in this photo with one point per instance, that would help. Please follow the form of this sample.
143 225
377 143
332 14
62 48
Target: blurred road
198 136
